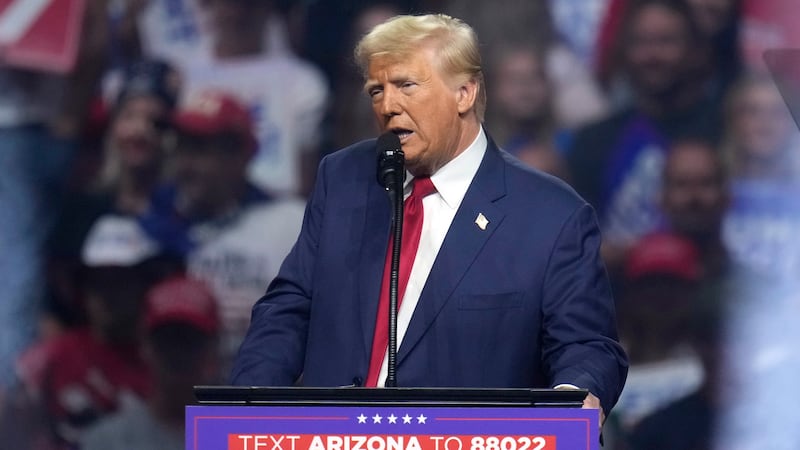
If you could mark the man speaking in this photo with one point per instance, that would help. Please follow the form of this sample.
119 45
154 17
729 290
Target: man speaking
500 281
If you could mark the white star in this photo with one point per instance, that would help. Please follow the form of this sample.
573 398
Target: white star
362 418
392 418
376 418
407 418
421 419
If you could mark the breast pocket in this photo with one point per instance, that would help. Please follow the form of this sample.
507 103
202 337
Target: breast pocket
504 300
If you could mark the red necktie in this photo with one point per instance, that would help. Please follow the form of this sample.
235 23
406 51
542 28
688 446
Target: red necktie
413 215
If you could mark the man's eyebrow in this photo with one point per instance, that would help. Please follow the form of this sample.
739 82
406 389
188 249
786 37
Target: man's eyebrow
369 84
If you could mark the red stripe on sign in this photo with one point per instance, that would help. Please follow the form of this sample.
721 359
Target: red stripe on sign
388 442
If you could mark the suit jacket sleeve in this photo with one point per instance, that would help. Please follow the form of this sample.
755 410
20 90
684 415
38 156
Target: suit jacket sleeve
273 351
580 344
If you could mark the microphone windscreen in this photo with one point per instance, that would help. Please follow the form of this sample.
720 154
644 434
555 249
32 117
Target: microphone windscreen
388 142
391 160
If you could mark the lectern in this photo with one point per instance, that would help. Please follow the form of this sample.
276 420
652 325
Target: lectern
348 418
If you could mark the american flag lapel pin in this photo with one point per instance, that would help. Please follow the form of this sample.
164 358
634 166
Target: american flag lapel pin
482 221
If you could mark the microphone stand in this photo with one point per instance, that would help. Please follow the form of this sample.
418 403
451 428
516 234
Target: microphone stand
391 175
396 195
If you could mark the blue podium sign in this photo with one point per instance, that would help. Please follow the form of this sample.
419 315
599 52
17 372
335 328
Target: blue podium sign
389 428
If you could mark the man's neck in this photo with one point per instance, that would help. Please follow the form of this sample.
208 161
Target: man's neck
468 135
217 208
134 189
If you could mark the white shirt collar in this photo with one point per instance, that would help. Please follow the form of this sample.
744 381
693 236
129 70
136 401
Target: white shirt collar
453 179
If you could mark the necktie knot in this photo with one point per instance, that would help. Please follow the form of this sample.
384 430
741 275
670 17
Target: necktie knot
423 186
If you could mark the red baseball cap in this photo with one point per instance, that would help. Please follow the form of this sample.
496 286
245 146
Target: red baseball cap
182 300
663 254
210 113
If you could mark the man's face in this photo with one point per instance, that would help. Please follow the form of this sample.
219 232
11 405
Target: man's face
414 99
137 131
208 172
694 194
658 50
522 89
762 125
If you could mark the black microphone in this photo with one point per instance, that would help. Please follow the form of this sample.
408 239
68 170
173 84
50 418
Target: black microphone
391 175
391 162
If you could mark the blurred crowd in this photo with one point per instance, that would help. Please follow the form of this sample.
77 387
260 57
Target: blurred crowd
149 195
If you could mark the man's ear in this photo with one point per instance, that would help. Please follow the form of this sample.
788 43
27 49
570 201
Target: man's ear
467 95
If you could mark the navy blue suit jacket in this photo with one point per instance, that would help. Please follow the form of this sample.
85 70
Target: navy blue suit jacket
523 303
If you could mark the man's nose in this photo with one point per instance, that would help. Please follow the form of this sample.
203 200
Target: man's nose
390 105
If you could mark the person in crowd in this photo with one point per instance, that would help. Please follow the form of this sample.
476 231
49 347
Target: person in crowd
577 97
522 92
286 96
695 199
617 163
743 335
692 419
138 130
351 110
482 267
760 339
230 233
662 273
132 166
85 373
522 111
41 114
180 349
763 150
725 325
720 62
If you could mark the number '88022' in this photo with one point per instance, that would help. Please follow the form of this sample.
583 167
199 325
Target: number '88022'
510 443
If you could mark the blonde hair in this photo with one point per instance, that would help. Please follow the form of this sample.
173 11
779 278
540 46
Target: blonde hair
455 42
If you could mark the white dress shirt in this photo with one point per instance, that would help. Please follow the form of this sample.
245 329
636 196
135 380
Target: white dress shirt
451 182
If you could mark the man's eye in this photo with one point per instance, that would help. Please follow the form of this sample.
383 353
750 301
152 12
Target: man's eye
374 92
408 84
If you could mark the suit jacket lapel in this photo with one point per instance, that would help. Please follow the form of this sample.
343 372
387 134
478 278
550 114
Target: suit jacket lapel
462 244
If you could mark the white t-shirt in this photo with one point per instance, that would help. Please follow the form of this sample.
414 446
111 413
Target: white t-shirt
173 30
287 98
239 260
170 30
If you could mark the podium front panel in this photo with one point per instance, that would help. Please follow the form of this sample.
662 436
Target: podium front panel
389 428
